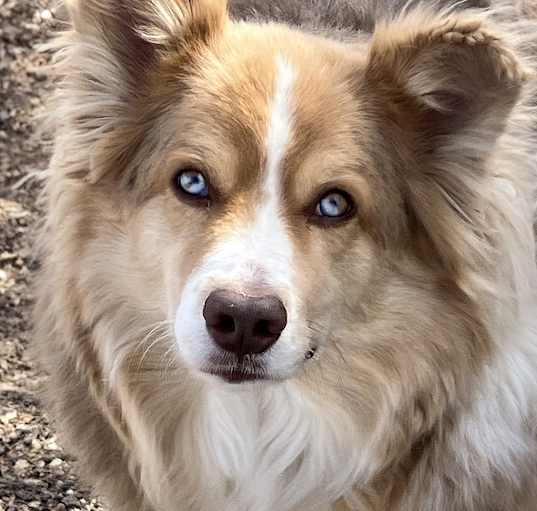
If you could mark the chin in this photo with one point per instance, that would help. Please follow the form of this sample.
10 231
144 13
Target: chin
289 255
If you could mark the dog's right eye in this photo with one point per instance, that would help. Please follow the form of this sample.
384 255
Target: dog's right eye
191 185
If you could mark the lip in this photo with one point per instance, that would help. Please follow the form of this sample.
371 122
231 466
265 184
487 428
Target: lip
237 375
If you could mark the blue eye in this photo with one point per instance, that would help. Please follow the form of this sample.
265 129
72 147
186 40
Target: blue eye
334 205
193 183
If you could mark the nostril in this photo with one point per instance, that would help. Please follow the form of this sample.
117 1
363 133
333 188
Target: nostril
262 329
226 324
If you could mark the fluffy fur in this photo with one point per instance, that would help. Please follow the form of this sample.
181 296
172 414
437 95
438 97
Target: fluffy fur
422 394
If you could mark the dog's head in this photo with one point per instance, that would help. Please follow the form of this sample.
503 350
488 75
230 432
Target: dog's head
293 205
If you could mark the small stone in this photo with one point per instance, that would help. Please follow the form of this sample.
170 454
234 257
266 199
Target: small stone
32 482
60 507
38 74
25 418
21 466
35 504
9 416
71 502
36 445
32 27
56 462
46 15
7 256
52 446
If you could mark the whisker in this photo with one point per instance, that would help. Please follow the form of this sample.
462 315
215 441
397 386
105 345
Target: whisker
162 335
148 349
171 361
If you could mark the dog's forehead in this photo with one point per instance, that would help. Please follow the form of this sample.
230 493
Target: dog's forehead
256 98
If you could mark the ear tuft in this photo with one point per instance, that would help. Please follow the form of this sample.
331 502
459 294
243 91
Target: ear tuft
179 21
472 33
448 64
148 25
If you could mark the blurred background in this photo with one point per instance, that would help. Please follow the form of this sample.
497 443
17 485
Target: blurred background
35 474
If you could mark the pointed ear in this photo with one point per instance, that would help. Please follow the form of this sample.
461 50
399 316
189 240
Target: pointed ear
448 86
449 71
136 30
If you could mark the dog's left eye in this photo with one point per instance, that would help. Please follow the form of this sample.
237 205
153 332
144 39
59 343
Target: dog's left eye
193 182
334 205
191 186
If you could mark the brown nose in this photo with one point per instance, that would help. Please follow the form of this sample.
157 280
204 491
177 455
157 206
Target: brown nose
244 324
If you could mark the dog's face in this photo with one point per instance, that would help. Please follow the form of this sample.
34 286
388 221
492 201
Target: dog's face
296 206
265 204
271 174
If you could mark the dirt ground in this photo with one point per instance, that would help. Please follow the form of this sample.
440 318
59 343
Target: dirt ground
35 474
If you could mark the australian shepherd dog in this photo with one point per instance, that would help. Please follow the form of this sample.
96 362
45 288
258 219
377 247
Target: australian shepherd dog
289 257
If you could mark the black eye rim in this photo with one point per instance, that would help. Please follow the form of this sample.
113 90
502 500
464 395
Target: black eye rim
184 196
332 221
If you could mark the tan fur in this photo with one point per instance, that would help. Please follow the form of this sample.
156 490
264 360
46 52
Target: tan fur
422 395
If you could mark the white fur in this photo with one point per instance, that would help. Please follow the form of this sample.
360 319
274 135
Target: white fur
253 448
276 446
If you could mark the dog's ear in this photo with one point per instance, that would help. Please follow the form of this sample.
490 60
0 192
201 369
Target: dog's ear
136 30
451 72
447 85
111 62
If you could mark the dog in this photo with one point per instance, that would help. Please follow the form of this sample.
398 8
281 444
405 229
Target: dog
289 256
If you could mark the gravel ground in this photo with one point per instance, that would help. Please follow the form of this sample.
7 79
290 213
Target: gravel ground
35 474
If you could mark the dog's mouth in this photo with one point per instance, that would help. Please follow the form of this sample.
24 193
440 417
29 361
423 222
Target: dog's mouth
238 374
233 369
246 369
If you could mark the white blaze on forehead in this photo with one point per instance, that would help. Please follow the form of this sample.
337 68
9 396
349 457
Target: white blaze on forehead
274 248
262 246
280 125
